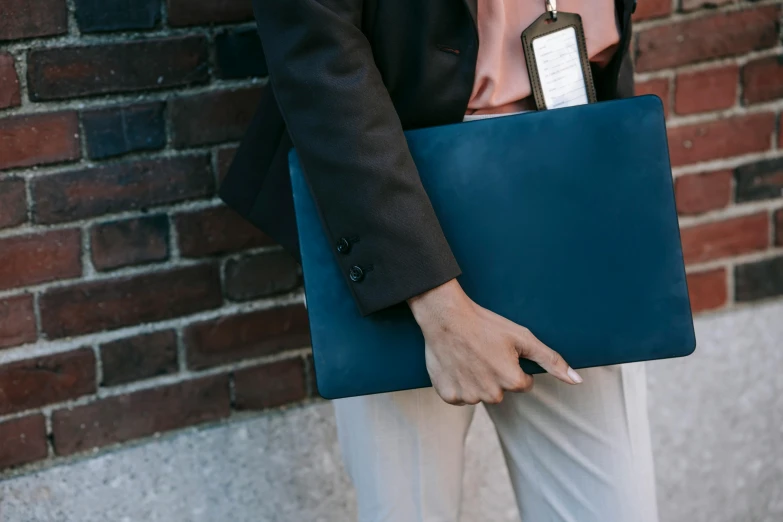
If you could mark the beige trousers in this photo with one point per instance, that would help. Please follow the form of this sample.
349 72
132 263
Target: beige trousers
574 453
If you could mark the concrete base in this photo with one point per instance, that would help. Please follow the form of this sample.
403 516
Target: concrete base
717 420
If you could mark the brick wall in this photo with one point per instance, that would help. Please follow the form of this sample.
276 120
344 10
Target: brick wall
132 302
720 74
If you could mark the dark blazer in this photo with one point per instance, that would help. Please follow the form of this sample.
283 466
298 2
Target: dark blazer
347 77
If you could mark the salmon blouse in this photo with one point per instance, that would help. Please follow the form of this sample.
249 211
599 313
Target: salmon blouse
501 84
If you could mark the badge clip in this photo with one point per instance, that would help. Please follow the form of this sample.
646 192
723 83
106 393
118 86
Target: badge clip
551 7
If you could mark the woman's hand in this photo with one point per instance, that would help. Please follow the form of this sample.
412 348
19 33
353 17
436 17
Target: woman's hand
473 354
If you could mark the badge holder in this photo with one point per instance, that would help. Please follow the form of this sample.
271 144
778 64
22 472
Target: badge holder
557 60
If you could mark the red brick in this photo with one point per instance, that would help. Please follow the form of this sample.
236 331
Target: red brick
718 35
720 138
225 156
698 193
13 202
212 117
33 259
17 321
780 133
120 187
33 383
271 385
264 332
140 414
22 441
732 237
762 80
647 9
9 82
130 242
38 139
114 303
708 290
216 231
779 227
261 275
706 90
31 18
198 12
139 357
658 87
70 72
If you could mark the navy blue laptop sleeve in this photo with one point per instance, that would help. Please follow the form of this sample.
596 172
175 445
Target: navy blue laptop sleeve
563 221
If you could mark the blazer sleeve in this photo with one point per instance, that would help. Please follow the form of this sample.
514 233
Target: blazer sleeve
352 149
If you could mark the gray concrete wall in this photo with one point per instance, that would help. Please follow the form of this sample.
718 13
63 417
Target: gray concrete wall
717 420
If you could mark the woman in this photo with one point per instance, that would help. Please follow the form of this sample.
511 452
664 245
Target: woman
347 77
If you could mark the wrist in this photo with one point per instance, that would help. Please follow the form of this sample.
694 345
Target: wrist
434 304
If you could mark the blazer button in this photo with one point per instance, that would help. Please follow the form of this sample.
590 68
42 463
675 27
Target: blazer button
356 274
343 245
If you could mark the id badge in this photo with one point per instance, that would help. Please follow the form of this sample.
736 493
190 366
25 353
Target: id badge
557 60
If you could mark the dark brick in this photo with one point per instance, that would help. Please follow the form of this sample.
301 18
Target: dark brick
115 15
264 332
716 36
199 12
33 383
731 237
119 130
69 72
693 5
762 180
721 138
699 193
212 117
270 385
17 321
130 242
239 54
37 258
31 18
140 414
779 227
706 90
139 357
225 155
260 275
38 139
215 231
13 202
708 290
759 280
312 384
9 82
22 441
762 80
108 304
120 187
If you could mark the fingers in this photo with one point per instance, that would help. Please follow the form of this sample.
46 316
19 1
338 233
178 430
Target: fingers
529 347
492 396
518 381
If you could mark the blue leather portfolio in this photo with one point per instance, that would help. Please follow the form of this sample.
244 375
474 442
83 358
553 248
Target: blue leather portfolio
563 221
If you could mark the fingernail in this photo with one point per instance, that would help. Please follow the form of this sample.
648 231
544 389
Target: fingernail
574 376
